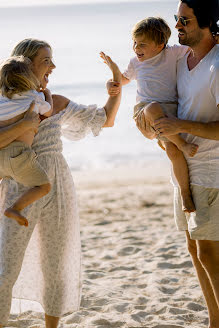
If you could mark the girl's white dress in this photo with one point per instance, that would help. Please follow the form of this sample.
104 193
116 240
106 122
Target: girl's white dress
47 253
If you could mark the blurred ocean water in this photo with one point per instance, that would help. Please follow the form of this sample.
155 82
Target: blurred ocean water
77 33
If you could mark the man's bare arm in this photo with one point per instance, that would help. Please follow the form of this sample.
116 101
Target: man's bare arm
170 126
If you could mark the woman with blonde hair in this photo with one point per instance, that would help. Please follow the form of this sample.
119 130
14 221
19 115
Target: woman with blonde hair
43 262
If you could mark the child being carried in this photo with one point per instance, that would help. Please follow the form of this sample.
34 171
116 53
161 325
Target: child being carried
154 68
18 87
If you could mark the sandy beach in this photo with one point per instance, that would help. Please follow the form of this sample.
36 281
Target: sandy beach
136 269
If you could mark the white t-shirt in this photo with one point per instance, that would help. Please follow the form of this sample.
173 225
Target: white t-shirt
198 97
156 77
20 103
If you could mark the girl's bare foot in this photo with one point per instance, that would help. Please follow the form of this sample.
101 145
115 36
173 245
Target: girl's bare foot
16 215
187 204
189 149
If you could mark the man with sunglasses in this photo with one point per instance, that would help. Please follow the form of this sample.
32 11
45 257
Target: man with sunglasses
198 120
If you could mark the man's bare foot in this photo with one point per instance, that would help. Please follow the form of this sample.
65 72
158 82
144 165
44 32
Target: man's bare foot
189 149
187 204
16 215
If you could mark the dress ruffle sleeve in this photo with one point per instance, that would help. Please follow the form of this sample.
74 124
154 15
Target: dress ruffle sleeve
78 120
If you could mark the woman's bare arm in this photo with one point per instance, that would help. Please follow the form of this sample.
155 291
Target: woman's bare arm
10 133
113 102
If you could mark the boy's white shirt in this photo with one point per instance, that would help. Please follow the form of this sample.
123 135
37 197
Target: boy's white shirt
156 77
20 103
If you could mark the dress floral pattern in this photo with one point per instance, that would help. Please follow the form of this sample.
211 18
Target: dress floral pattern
43 262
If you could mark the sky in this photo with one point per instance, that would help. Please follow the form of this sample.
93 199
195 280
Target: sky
20 3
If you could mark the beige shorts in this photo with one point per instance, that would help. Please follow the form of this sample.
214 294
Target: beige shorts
203 224
19 162
169 109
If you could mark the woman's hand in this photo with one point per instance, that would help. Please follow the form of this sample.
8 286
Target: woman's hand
31 118
113 87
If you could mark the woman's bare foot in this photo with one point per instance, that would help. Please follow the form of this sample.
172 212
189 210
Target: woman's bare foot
189 149
187 204
16 215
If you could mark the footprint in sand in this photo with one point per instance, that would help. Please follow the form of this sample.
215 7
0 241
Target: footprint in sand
128 251
166 265
195 307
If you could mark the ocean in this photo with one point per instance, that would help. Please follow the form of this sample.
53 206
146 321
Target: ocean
77 32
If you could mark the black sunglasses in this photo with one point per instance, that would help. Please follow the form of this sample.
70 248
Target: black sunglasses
182 20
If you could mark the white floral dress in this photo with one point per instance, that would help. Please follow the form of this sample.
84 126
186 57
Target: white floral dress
47 253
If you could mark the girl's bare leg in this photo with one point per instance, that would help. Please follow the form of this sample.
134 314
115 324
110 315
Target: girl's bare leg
153 112
26 199
51 322
181 172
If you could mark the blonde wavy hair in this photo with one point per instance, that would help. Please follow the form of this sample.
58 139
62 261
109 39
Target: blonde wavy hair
16 76
29 48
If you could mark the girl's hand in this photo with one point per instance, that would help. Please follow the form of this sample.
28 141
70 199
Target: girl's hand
47 93
31 118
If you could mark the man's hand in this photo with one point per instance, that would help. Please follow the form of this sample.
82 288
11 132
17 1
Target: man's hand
31 118
167 126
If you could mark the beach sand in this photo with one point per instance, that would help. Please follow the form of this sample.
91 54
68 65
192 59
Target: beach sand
136 268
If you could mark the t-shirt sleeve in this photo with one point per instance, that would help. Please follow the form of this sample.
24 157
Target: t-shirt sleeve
129 73
179 51
214 82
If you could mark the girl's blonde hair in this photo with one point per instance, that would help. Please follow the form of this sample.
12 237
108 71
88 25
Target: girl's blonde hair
154 28
16 76
29 48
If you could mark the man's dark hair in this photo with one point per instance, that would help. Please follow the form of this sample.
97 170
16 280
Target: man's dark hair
206 12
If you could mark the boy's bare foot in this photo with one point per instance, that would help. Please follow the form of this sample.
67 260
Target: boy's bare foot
16 215
187 204
189 149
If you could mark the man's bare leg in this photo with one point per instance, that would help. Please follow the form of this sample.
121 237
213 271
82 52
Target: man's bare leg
208 252
205 282
51 322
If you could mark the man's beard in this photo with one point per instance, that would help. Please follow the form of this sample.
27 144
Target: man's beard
191 40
